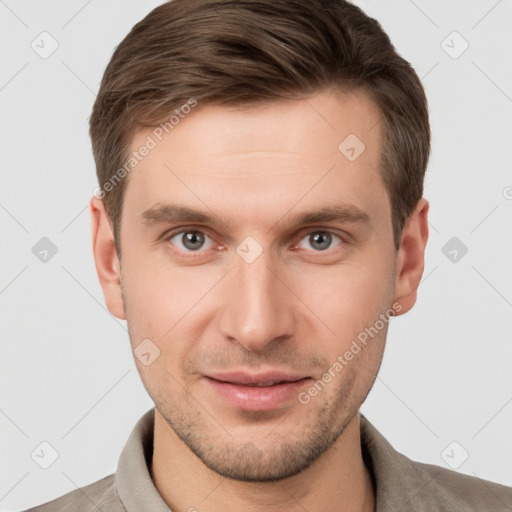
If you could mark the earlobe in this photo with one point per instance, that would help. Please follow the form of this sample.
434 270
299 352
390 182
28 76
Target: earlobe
105 257
411 256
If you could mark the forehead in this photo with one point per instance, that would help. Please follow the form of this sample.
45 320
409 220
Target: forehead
320 149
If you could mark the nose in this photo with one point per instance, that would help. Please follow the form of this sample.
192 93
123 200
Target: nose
259 307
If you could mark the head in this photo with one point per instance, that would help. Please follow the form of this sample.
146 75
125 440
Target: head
261 170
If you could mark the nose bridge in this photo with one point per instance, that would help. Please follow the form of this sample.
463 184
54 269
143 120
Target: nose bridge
258 308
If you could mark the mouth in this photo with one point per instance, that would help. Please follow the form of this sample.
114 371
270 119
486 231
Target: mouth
256 392
262 384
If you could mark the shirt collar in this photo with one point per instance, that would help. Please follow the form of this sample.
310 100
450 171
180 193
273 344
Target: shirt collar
133 481
396 480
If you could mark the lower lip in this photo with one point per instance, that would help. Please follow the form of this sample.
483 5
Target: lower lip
257 398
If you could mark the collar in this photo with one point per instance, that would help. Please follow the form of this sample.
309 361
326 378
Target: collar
396 480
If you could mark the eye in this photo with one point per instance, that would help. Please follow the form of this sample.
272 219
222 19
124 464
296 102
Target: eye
190 241
319 240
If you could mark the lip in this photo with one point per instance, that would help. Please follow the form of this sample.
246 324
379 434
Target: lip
256 392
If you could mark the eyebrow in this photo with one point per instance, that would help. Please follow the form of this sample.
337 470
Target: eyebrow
172 213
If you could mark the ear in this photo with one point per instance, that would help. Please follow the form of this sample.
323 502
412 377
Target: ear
105 257
410 260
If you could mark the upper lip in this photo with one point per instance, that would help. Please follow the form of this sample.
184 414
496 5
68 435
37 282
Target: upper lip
267 378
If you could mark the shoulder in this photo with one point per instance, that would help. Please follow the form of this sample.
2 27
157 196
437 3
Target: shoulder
457 492
100 495
405 485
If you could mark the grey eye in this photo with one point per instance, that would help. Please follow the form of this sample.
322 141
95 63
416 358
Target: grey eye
191 241
319 240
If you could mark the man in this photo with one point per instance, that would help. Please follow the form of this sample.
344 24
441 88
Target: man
259 221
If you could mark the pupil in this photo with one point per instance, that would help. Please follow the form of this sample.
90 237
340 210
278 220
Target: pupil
193 240
322 240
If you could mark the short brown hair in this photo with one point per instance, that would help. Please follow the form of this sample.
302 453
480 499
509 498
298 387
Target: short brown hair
243 52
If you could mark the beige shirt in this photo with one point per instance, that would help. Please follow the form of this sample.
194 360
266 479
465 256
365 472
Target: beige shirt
401 485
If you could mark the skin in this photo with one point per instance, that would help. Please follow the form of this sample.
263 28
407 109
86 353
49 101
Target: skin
296 307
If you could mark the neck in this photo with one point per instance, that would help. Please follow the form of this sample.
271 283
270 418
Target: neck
337 481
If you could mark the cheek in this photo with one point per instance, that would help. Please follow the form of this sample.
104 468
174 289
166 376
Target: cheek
163 297
347 298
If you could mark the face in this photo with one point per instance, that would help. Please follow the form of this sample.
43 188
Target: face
256 255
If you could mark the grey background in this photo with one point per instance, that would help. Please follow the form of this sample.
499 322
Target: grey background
67 374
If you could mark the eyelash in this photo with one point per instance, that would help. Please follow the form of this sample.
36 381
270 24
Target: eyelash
301 236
